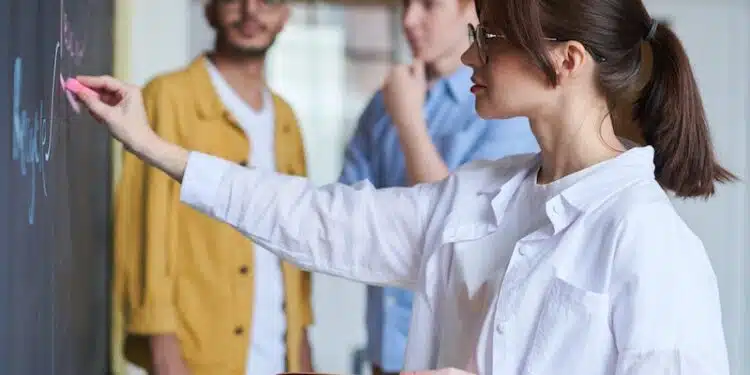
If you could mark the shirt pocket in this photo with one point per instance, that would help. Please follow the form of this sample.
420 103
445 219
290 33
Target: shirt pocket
569 324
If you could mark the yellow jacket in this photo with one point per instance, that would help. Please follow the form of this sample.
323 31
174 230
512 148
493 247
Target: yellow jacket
179 271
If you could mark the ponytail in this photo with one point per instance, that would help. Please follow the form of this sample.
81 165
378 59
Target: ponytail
670 114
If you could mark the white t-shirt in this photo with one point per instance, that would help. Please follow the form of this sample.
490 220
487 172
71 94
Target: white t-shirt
267 350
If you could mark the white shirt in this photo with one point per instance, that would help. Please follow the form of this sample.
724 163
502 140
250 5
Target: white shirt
615 282
524 215
267 349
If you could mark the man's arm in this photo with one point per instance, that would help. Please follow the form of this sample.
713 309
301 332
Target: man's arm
166 355
423 161
484 140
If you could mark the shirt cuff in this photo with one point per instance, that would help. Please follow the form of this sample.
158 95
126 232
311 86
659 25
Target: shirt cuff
200 184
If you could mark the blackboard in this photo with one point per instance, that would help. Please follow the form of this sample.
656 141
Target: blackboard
54 191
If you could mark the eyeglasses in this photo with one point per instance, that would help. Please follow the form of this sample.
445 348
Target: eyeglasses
481 36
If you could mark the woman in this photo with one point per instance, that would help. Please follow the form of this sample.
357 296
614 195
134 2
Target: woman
572 261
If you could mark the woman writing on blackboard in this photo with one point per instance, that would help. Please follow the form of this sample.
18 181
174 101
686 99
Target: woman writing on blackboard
572 261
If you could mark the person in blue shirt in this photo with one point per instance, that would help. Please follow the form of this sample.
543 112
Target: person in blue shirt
394 145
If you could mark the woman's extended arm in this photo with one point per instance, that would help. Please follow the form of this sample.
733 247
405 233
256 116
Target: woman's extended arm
357 232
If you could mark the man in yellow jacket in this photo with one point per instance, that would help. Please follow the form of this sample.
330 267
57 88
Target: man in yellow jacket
199 298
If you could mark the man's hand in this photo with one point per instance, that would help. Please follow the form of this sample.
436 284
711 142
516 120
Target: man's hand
306 364
445 371
167 356
404 94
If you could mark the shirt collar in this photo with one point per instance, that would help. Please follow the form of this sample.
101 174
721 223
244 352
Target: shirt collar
633 165
592 191
208 104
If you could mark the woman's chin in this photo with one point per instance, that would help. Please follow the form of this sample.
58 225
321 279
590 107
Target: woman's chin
490 111
485 109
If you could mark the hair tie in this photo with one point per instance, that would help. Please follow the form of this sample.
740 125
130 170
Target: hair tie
652 31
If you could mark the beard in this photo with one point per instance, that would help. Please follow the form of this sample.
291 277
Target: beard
225 45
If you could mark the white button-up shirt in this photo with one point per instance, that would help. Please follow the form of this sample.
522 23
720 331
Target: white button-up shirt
614 283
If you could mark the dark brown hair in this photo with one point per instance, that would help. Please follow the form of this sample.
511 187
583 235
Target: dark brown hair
668 109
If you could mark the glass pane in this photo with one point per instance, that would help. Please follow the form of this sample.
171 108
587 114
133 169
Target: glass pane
328 62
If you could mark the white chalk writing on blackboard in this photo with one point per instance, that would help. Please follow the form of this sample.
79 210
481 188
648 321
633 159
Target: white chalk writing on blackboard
32 133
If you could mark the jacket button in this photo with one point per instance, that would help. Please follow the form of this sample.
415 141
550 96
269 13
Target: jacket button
243 270
285 129
243 163
290 169
239 330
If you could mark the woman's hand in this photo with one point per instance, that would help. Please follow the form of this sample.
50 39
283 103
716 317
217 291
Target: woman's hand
119 106
445 371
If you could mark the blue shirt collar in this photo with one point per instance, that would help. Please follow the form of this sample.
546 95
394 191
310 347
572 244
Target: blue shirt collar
458 84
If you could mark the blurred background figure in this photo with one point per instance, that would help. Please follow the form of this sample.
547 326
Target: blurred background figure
198 297
333 55
395 145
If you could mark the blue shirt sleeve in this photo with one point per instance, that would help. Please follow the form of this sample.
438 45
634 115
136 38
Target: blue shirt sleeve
357 159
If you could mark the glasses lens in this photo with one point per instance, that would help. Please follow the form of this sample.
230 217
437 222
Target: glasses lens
481 43
475 37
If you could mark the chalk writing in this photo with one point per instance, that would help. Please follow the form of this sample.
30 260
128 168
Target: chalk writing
75 47
32 133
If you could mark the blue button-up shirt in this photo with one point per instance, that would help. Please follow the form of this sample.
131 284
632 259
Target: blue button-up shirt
374 153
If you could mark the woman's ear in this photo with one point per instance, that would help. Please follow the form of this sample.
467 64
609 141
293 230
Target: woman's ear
569 59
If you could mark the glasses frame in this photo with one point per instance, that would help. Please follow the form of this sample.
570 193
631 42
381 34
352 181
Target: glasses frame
479 35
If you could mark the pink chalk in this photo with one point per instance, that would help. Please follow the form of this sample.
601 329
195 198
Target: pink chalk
71 99
75 86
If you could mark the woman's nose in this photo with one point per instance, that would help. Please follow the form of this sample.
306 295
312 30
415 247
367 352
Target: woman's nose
470 57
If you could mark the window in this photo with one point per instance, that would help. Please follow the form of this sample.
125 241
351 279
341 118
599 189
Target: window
327 63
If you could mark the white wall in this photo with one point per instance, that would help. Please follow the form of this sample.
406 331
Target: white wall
158 42
716 36
315 89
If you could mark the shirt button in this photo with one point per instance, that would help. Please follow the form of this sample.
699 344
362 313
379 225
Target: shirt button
500 328
239 330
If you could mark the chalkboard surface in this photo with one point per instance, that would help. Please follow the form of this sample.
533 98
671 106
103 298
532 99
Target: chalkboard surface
54 191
